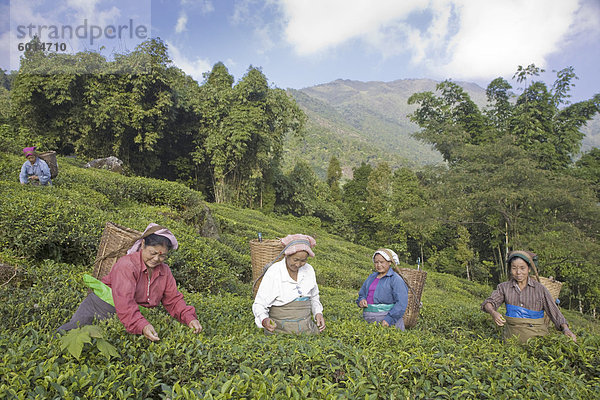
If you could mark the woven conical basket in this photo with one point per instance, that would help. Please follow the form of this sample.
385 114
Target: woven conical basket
415 279
261 254
115 242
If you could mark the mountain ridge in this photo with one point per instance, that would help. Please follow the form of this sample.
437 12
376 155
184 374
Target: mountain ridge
358 121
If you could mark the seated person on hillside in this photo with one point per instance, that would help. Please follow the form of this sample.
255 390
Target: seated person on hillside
384 295
526 301
288 292
139 278
34 170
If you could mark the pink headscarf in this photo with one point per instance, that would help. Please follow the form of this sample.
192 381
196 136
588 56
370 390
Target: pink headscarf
162 232
29 150
298 242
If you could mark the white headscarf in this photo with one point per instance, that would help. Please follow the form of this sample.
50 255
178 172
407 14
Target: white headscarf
386 253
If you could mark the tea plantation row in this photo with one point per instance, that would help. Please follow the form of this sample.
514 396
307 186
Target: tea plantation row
52 234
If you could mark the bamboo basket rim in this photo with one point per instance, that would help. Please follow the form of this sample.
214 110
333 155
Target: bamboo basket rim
115 241
554 286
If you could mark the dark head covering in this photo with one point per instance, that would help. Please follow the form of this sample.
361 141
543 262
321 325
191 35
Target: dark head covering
530 258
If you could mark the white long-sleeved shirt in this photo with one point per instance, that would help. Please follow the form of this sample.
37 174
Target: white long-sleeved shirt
277 288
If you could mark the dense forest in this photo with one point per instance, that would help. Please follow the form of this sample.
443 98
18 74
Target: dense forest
513 175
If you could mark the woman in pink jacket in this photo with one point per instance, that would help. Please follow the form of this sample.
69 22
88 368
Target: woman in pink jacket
140 278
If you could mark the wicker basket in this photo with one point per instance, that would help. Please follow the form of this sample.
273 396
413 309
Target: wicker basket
552 285
261 254
415 279
50 158
115 242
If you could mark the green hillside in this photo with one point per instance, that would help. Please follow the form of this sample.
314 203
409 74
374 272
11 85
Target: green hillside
367 121
51 234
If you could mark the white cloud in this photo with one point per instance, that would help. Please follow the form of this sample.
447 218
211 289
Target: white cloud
317 25
5 44
181 22
264 37
205 6
79 24
192 8
265 28
494 37
21 13
86 7
195 68
459 38
242 12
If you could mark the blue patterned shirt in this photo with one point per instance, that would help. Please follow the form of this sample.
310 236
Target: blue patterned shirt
39 168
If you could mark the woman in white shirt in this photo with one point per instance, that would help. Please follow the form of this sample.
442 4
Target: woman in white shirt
288 292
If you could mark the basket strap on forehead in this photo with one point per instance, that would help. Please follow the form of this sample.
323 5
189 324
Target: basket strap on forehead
281 253
297 241
152 230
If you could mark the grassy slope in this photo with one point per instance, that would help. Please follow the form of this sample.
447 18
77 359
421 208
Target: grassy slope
454 351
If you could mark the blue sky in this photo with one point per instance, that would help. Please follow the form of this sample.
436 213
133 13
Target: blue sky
300 43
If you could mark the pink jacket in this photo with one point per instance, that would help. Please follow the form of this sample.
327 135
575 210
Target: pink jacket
128 280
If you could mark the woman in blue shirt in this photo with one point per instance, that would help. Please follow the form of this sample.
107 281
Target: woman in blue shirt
384 295
34 170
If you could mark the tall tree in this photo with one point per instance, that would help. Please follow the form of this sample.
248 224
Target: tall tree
449 120
536 123
500 111
242 132
85 104
355 203
588 168
334 174
129 109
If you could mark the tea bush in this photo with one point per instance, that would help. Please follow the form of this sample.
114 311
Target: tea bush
233 359
118 187
115 187
37 223
455 351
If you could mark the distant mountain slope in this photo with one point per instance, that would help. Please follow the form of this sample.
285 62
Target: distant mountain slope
363 121
368 121
592 134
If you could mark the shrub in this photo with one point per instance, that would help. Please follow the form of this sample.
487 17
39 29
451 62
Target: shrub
37 224
120 188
